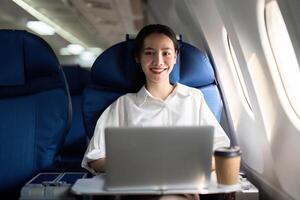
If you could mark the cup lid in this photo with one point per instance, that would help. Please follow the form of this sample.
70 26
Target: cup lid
228 151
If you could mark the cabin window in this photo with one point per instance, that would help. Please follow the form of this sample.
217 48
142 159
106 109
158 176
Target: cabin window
239 74
284 54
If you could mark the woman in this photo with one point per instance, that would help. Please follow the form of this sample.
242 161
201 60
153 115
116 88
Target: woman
158 103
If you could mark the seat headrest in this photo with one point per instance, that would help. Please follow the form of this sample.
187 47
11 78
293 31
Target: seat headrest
28 64
193 69
77 78
116 68
11 58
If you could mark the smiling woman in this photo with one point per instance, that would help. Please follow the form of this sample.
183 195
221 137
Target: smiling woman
157 103
157 58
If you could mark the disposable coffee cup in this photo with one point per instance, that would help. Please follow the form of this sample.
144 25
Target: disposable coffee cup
227 161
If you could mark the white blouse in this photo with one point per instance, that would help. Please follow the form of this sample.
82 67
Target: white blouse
185 106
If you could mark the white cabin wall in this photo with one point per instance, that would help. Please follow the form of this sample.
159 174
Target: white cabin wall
280 133
267 135
240 115
290 11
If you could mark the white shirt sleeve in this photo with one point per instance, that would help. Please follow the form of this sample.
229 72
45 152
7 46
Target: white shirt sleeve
207 118
96 148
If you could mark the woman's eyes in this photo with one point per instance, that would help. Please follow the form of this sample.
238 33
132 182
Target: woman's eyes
149 53
166 53
153 53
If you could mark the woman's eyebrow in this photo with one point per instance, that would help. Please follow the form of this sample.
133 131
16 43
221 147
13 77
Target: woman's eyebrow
149 48
164 48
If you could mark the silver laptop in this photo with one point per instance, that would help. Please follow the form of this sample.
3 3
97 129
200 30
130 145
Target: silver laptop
158 158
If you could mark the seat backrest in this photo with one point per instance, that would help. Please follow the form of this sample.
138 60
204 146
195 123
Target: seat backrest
35 108
76 141
115 73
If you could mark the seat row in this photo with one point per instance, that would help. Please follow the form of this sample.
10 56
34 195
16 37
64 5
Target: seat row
49 111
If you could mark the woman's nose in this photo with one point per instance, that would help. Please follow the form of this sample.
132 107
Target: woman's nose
158 59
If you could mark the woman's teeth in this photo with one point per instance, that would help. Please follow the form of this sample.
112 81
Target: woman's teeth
158 70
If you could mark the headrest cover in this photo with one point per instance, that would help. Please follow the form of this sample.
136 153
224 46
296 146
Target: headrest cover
195 69
40 60
116 68
11 58
30 64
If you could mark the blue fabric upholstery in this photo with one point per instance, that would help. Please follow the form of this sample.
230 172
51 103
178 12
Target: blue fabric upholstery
76 140
115 73
13 70
35 109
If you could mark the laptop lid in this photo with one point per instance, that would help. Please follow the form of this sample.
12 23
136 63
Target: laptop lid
158 158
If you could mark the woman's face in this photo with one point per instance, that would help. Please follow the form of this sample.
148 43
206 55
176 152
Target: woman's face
157 58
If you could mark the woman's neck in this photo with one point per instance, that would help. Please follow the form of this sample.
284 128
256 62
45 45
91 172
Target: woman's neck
161 91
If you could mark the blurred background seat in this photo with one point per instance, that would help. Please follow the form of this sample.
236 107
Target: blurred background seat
115 73
35 109
76 141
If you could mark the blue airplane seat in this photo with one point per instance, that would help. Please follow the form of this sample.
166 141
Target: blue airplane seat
115 73
76 140
35 109
195 70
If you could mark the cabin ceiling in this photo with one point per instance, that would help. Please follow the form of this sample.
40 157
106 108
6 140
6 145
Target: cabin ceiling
94 23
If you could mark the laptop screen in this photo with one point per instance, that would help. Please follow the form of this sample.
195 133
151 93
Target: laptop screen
158 158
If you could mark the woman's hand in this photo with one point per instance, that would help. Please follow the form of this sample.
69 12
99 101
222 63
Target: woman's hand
213 164
98 165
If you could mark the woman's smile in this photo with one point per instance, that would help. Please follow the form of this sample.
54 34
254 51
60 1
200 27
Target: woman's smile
158 70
